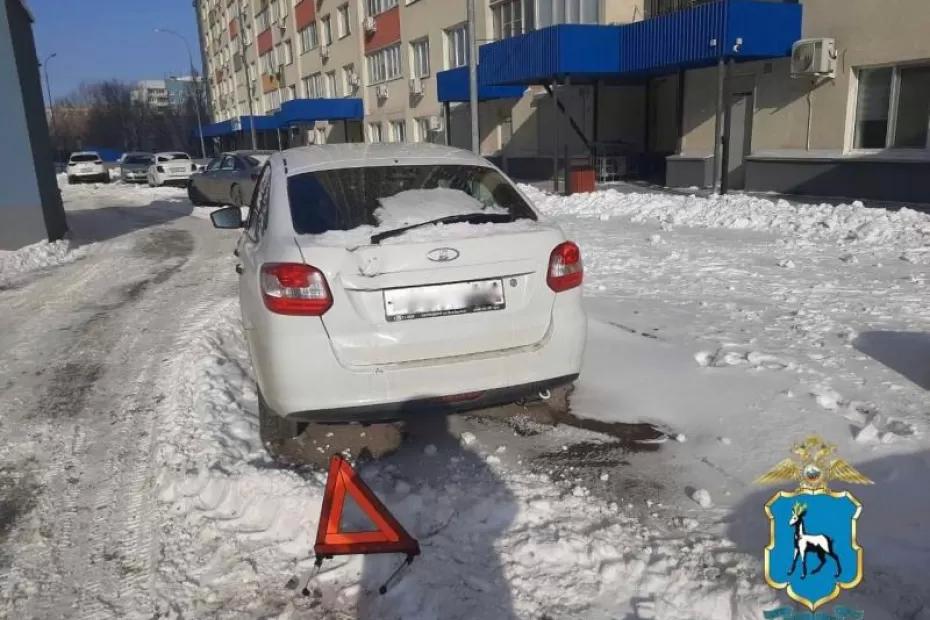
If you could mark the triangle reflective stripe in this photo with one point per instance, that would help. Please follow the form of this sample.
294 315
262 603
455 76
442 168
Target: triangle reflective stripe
389 535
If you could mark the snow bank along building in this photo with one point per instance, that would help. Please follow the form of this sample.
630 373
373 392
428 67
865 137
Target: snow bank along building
814 96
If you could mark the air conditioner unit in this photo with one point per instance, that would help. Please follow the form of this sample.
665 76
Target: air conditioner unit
282 22
435 123
813 58
354 80
416 86
382 91
324 51
370 25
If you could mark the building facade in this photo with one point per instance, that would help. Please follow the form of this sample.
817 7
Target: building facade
644 106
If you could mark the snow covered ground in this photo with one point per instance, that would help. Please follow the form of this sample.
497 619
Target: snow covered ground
736 325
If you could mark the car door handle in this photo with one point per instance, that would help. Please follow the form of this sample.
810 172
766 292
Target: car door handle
239 269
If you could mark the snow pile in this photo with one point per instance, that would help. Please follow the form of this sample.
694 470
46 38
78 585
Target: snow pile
852 223
497 541
36 256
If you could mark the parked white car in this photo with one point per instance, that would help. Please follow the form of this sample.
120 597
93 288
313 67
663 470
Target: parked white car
382 280
171 168
87 166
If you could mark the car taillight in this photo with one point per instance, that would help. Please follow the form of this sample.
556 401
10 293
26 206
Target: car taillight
295 289
71 163
565 268
160 168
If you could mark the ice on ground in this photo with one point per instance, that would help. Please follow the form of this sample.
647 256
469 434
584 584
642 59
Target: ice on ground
702 498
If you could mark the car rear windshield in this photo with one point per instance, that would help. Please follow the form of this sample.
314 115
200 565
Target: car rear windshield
347 198
138 159
85 157
173 156
256 160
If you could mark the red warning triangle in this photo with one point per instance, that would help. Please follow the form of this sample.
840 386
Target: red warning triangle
389 537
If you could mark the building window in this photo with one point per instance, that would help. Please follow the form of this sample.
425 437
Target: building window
374 132
285 7
380 6
348 73
313 86
326 31
509 18
278 51
308 39
398 131
419 55
262 19
457 46
288 53
551 12
331 90
384 65
292 92
893 108
267 62
342 21
274 10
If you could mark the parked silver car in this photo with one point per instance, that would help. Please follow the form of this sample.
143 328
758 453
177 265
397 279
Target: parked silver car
228 179
134 167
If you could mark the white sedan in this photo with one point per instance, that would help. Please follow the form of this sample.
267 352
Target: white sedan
378 281
171 168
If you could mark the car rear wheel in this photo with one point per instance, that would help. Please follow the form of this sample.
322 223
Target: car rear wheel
273 429
194 196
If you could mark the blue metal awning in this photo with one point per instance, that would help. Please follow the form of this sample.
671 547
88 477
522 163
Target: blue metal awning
452 86
687 39
311 110
295 111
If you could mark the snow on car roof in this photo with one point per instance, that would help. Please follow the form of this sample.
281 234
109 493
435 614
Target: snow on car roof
357 155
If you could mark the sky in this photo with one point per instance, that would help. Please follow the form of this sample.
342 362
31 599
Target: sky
112 39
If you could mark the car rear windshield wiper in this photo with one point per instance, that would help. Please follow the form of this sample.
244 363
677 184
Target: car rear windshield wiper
467 218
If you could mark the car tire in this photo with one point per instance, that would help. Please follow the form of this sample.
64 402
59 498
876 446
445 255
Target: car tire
194 196
273 429
235 194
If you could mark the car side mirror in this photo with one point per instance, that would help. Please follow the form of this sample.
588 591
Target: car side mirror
227 217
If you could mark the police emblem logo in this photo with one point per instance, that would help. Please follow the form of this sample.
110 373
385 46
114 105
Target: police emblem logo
813 553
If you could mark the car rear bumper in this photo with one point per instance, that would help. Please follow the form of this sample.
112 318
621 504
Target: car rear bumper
99 174
301 378
140 176
386 412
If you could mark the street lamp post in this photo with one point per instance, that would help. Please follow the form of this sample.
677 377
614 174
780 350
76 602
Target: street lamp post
48 90
190 58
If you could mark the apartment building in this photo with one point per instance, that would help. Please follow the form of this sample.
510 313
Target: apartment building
163 94
631 85
260 54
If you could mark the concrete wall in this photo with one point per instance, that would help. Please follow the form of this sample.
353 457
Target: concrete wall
30 204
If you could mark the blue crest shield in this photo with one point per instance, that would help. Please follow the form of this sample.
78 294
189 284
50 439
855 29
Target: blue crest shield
813 552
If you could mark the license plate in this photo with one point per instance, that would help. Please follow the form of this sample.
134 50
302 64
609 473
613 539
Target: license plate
177 170
402 304
86 168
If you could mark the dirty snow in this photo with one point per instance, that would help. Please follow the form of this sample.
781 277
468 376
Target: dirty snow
16 263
